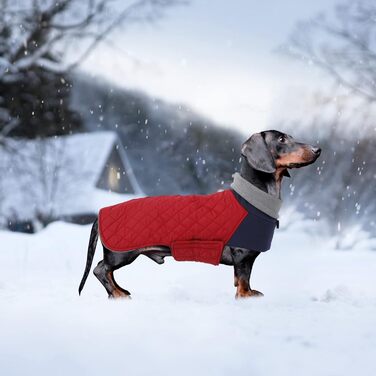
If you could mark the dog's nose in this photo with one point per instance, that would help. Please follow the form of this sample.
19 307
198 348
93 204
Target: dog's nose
316 151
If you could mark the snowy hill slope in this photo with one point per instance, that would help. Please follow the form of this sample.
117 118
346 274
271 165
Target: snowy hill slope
317 317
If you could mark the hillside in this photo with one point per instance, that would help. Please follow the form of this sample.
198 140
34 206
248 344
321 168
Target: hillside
172 149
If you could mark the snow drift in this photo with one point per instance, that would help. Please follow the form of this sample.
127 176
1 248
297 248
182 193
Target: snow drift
317 317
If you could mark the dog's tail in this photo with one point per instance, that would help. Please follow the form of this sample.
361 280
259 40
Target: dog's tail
90 254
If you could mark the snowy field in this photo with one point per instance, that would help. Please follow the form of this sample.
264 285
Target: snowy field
318 316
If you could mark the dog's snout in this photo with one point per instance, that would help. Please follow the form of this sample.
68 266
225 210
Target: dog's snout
316 151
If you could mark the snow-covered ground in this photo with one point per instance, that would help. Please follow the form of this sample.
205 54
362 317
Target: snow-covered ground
318 316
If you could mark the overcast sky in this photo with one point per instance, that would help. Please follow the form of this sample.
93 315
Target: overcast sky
217 56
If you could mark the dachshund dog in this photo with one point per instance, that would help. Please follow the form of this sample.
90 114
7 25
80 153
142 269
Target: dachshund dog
266 158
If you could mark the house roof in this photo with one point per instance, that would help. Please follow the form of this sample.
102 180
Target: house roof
58 175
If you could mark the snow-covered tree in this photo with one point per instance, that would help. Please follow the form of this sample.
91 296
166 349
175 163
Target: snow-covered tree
41 41
343 45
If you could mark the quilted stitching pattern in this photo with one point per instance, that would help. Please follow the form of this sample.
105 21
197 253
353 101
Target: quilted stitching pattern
164 219
197 250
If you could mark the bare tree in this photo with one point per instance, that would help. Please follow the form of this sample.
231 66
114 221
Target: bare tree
342 44
40 30
36 39
44 180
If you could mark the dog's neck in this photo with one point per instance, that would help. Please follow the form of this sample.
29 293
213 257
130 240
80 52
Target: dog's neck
269 183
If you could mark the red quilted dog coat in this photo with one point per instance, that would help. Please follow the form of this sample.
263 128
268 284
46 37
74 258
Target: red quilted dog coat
194 227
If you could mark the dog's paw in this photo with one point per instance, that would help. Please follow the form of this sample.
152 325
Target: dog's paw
120 295
248 294
257 294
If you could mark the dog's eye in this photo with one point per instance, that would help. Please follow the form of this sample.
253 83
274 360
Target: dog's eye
282 139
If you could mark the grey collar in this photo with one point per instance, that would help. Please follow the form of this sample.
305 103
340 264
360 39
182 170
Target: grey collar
263 201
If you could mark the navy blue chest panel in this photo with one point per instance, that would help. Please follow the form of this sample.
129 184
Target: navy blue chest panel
256 230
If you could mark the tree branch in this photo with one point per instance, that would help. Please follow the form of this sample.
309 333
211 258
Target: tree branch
343 47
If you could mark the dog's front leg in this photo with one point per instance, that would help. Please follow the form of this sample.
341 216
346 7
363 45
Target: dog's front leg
243 263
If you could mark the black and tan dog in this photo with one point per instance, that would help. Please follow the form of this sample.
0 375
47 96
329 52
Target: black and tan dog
267 156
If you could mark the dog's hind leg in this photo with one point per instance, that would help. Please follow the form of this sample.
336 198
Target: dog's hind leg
104 271
105 275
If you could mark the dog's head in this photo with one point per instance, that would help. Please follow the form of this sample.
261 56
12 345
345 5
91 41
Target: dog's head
271 151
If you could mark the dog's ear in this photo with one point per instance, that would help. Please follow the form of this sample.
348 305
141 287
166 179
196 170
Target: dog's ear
257 154
286 173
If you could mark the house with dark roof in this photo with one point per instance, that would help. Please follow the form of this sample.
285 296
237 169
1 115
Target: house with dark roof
63 178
